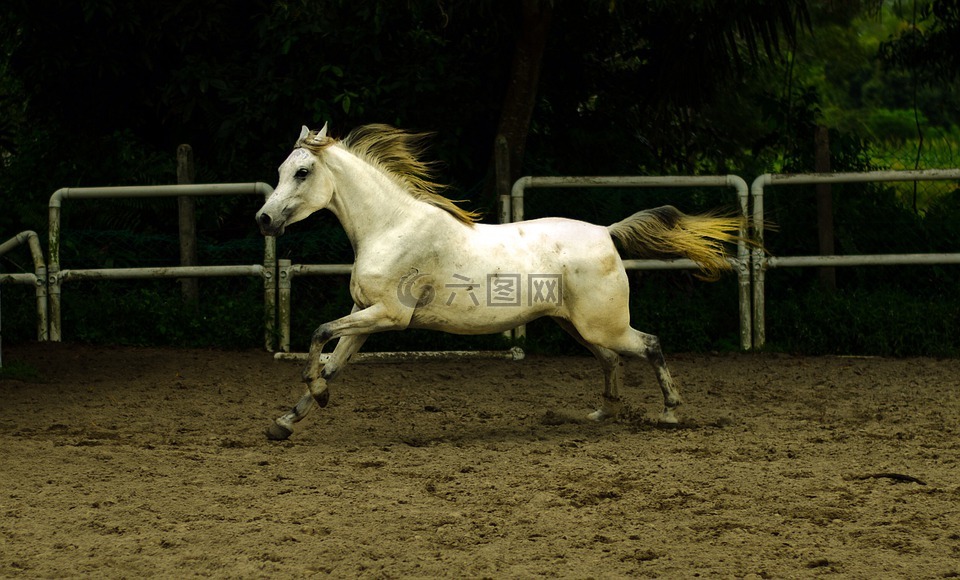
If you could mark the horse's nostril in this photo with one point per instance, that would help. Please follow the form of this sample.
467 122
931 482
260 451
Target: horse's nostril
264 220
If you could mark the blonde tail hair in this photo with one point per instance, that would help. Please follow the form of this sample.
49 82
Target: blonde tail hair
666 232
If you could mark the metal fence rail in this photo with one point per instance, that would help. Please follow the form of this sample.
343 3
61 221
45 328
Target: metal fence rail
56 275
762 262
38 279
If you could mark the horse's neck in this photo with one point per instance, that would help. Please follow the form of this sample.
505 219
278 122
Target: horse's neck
369 203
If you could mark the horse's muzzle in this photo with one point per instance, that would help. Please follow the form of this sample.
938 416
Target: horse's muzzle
268 226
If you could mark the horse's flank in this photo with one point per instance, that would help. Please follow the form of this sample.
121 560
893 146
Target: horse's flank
397 153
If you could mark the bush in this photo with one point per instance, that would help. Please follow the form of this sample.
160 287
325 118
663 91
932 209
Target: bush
894 124
864 321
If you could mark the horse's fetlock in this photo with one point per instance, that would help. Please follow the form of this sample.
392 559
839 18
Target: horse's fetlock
308 375
278 432
671 399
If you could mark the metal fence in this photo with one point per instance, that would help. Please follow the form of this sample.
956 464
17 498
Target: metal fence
57 275
38 279
761 261
278 275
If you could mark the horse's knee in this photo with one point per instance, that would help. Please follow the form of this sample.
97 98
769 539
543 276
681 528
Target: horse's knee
317 387
322 334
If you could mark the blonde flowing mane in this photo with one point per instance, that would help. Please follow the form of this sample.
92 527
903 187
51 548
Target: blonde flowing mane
396 153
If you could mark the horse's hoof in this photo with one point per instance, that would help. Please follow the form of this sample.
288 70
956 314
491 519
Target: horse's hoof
323 398
669 417
610 410
277 432
598 415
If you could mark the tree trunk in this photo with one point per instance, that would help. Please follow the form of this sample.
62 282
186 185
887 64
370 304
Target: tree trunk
521 96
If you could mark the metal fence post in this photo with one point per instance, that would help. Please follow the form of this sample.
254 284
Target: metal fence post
284 284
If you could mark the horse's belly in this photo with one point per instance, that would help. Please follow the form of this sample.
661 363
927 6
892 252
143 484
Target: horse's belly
480 318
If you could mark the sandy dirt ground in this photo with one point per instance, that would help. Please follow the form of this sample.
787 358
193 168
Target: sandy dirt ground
128 463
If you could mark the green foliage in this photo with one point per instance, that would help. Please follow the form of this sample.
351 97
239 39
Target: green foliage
137 80
96 93
894 124
890 311
868 76
929 44
938 149
941 221
865 321
686 314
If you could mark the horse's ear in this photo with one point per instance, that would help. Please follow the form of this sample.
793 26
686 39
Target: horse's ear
303 133
322 133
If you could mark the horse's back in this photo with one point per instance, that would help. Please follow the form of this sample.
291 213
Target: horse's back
581 255
568 246
550 235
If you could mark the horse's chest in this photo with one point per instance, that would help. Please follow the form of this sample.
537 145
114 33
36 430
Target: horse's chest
357 292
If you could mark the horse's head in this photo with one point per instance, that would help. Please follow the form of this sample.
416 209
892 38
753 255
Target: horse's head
305 184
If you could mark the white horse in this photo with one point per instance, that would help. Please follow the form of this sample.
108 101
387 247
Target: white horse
422 262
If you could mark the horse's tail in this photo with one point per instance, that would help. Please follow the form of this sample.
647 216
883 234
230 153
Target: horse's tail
666 232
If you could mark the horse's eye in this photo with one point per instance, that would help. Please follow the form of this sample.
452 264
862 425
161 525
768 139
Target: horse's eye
301 173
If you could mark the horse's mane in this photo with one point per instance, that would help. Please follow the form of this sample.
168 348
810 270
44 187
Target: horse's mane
397 153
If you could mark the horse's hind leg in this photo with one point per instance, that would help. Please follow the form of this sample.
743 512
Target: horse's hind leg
647 346
317 391
612 373
631 342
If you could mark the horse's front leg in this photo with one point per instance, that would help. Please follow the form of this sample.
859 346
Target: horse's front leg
377 318
282 427
352 330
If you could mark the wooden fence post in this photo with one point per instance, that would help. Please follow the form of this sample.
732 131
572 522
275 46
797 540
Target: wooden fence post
821 164
186 206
